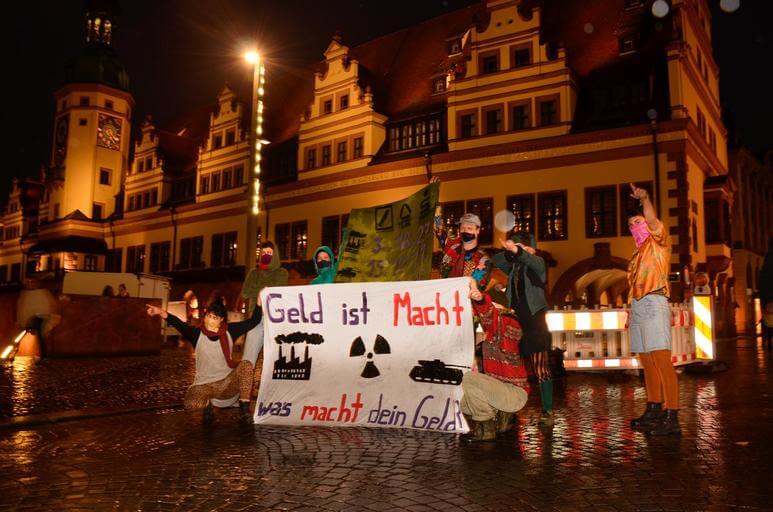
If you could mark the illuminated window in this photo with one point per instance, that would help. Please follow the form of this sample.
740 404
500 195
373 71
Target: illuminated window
299 240
484 209
522 208
552 216
601 212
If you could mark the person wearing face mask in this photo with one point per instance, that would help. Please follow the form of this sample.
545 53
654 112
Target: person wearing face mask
462 257
267 273
325 265
527 278
219 380
650 318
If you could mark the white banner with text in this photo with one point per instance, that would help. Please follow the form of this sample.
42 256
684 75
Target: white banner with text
366 354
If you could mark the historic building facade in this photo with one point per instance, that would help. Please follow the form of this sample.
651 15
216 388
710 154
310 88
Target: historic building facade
544 109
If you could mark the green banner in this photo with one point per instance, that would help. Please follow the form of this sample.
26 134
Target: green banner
392 242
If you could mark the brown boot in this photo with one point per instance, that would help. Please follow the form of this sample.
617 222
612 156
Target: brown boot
488 430
505 421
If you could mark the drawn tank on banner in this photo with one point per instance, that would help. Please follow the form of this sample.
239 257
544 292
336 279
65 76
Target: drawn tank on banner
437 372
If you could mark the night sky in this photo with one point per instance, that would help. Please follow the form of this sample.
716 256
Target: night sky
178 54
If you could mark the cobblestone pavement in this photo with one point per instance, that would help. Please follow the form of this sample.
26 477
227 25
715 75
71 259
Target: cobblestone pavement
590 460
56 385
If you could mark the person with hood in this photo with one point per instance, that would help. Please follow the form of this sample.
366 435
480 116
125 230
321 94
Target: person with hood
219 380
325 264
267 273
527 278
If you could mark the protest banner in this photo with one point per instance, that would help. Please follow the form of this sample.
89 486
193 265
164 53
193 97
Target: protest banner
366 354
391 242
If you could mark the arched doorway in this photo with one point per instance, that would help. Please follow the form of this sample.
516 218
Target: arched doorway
600 280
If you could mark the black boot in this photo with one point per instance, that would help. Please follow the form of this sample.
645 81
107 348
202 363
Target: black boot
668 424
208 414
245 416
650 417
505 421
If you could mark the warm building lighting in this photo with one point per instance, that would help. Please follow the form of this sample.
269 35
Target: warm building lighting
252 57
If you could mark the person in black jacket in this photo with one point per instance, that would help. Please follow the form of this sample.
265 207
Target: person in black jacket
219 378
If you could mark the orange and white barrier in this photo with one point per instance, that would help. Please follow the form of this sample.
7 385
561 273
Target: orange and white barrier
598 339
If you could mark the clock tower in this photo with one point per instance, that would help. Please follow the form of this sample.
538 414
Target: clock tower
92 122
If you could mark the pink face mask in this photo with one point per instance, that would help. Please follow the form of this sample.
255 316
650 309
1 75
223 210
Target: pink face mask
640 233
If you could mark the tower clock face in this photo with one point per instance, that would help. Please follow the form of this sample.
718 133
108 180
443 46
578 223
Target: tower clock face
60 139
109 132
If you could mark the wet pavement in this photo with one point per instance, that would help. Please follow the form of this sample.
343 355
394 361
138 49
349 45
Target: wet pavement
590 459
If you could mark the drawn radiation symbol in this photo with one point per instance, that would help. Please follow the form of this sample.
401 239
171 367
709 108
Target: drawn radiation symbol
381 346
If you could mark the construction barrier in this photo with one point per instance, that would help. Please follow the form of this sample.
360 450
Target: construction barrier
598 339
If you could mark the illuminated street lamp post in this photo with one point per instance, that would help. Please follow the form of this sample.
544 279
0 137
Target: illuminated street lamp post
256 142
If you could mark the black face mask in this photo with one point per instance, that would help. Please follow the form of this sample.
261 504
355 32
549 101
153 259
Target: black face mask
323 264
468 237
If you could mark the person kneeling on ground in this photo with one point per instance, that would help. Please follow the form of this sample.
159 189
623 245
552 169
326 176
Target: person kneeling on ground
218 378
492 398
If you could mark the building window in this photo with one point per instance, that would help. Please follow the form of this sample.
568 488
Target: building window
113 260
238 175
282 239
343 102
493 121
135 259
483 208
552 216
141 166
713 141
327 106
16 272
522 207
217 141
227 181
224 249
548 112
467 122
299 240
326 154
341 152
520 117
331 232
97 211
439 85
90 263
452 212
83 121
629 43
131 206
311 158
433 131
84 101
701 123
154 197
104 176
357 147
628 203
159 257
109 104
204 187
190 252
711 209
600 212
521 56
489 63
230 137
216 182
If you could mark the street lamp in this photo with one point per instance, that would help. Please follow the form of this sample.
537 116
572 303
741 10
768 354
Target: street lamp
256 142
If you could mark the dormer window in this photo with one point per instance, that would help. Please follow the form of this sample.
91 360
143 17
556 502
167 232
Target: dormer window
343 102
439 85
629 43
327 106
230 137
217 141
521 56
454 47
84 101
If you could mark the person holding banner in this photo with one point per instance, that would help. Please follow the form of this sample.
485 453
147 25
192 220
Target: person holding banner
462 257
492 398
219 380
325 264
649 322
527 278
